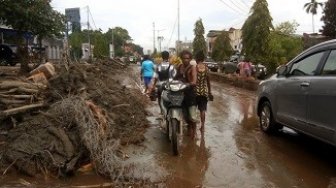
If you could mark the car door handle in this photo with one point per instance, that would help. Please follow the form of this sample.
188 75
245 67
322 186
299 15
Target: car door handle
305 84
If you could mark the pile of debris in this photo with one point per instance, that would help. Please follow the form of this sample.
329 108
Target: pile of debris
81 114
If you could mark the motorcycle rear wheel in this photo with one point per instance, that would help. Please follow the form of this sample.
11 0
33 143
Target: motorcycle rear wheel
174 139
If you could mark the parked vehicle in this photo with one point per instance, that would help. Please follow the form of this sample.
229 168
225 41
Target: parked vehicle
212 65
302 94
259 71
230 67
172 97
7 56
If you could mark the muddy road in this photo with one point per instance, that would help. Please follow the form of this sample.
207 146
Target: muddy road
234 152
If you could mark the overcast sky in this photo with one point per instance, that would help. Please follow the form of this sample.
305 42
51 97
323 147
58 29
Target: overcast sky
137 16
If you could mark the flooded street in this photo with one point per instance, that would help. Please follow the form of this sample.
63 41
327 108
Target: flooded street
234 152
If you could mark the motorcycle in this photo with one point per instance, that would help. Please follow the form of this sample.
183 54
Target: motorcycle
172 97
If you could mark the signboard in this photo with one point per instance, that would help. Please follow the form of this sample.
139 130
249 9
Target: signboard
72 14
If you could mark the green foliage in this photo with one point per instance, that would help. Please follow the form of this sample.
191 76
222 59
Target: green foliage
138 49
120 37
283 48
101 45
36 16
287 27
329 19
199 43
75 42
256 33
222 49
312 6
101 42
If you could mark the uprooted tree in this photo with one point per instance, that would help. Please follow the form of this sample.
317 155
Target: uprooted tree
36 16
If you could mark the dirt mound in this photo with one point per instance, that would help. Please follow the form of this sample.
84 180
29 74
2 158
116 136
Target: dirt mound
89 114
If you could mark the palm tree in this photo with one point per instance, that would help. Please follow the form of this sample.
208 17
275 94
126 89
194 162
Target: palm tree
312 7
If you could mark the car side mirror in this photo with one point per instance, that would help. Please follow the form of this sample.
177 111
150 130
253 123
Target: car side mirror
282 70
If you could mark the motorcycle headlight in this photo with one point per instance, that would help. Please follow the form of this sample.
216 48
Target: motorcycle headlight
174 87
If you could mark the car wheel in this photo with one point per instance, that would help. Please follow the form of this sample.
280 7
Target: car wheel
266 121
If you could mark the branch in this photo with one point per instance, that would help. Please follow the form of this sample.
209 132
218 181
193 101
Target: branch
13 111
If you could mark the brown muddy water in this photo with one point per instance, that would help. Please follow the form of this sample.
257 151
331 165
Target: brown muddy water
233 152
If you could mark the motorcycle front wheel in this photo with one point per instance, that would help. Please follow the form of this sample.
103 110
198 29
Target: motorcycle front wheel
174 136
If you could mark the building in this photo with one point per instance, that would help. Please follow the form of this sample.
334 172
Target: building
235 36
184 45
51 48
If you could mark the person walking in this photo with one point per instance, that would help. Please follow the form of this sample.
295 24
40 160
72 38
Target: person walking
147 71
203 87
187 74
161 74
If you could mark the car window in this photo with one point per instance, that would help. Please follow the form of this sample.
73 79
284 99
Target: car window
306 66
330 66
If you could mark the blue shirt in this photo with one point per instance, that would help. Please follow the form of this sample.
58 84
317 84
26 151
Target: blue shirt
147 68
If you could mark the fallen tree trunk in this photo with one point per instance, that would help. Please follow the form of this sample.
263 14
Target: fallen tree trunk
13 111
19 84
12 101
21 89
17 96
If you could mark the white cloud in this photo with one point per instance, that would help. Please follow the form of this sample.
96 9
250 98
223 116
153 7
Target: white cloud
138 16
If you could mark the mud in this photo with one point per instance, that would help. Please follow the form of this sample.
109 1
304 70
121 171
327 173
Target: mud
68 133
233 152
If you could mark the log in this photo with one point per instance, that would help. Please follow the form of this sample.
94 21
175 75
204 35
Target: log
20 89
13 111
9 101
30 97
19 84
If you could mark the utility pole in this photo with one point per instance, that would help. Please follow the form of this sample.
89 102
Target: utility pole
159 38
153 37
178 27
88 27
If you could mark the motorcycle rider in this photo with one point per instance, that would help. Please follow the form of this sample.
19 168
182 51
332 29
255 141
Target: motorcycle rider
162 74
187 73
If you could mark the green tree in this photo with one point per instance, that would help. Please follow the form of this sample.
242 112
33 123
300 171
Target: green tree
329 19
312 7
120 37
199 43
287 27
137 48
222 49
75 42
284 45
101 44
256 33
36 16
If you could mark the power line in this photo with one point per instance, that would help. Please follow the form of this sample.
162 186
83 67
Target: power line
244 3
94 23
171 35
229 6
239 7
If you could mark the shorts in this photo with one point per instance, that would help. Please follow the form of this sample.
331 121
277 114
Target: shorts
190 114
147 81
247 72
202 102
